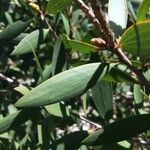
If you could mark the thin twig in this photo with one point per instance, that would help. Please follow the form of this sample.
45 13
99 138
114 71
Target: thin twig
38 10
37 61
43 18
89 12
91 122
3 77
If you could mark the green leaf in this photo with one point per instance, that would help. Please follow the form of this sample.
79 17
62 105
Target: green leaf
70 141
116 75
143 10
103 97
125 144
13 30
147 74
117 15
55 6
23 143
6 123
54 109
78 45
47 73
138 95
136 39
120 130
35 38
65 85
59 57
19 38
22 89
66 24
131 10
114 146
16 119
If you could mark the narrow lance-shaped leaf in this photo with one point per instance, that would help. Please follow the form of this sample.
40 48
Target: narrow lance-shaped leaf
55 6
103 97
69 142
59 57
143 10
54 109
17 118
6 123
116 75
22 89
13 30
47 73
138 95
78 45
35 38
65 85
66 24
120 130
136 39
131 9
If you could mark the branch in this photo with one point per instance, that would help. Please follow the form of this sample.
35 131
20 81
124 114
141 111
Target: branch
3 77
89 12
97 8
97 16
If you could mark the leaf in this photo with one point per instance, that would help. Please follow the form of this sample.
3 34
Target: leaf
59 57
13 30
34 38
147 74
65 85
136 39
143 10
54 109
103 97
78 45
54 6
47 73
117 15
19 38
113 146
120 130
22 89
70 141
23 142
16 119
116 75
125 144
66 24
138 95
131 10
6 122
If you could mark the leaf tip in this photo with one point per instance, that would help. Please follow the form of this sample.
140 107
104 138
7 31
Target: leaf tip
17 104
20 103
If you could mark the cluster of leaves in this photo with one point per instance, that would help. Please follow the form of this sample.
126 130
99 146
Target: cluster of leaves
72 95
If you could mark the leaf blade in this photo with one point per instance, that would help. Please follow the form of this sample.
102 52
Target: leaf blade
54 6
78 45
135 40
138 95
143 9
35 38
103 97
120 130
13 30
65 85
